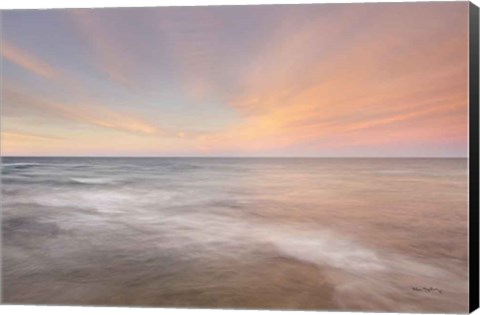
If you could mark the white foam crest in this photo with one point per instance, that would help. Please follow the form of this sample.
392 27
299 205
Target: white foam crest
327 249
91 180
233 236
101 200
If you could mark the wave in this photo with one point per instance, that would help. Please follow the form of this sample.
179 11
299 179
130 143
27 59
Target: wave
323 249
22 164
103 200
94 181
327 248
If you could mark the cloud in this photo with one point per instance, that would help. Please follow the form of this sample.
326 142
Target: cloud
356 70
21 143
20 136
192 37
29 61
35 64
94 115
112 57
313 78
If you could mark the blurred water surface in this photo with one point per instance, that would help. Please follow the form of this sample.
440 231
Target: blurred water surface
334 234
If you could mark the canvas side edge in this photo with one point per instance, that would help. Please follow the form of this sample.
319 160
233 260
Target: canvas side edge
473 157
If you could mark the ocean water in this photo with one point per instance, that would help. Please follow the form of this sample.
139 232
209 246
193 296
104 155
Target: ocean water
327 234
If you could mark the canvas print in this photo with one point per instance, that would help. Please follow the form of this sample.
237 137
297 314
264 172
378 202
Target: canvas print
293 157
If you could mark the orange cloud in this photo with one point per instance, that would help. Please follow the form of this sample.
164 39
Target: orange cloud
312 83
29 61
87 114
21 143
349 76
26 136
35 64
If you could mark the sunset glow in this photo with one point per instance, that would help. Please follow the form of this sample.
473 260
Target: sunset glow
303 80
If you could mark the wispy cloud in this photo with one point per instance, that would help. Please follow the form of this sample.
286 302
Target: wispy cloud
29 61
307 86
90 114
192 36
27 136
20 143
320 79
112 58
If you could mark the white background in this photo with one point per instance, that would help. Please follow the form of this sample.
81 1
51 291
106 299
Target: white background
54 310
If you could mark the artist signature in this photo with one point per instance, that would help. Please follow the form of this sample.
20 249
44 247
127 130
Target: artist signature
427 289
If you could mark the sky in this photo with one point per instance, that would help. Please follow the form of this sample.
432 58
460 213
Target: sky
319 80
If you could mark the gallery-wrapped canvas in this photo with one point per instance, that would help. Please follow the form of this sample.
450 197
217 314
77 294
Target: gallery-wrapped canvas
289 157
